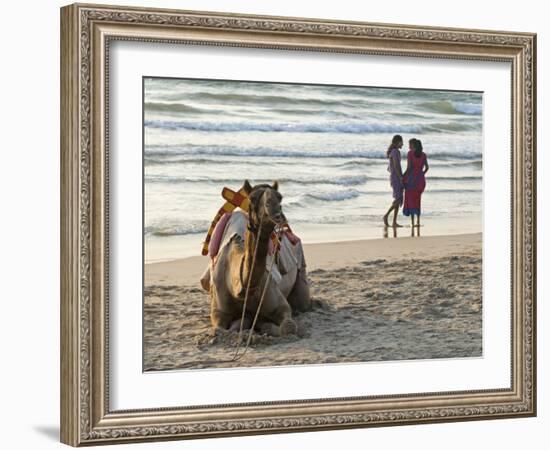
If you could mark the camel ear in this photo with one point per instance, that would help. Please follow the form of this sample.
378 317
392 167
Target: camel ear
275 185
247 187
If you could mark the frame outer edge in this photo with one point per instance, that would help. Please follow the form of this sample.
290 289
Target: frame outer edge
69 185
534 157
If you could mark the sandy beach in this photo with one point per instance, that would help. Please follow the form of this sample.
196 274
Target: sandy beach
375 300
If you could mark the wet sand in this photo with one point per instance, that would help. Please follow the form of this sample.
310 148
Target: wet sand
375 300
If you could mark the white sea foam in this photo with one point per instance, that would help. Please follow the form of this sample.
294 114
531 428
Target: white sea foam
326 145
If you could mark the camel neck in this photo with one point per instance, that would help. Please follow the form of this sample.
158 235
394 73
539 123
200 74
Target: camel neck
258 270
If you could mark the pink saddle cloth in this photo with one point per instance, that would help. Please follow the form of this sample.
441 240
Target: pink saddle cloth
292 237
217 236
216 240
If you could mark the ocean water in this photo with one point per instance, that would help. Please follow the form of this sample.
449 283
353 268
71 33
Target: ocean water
325 145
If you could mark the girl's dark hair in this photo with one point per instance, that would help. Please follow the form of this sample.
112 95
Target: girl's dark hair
396 140
417 144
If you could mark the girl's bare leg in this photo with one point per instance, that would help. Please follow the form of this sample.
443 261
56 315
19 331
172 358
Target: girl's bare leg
395 211
388 214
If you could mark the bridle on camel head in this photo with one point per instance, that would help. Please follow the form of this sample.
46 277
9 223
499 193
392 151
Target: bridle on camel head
253 210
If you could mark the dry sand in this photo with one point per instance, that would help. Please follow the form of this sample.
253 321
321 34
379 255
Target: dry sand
375 300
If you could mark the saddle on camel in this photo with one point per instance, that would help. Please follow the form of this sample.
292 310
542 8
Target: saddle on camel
257 271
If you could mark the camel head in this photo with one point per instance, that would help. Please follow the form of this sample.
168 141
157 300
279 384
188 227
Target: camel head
265 206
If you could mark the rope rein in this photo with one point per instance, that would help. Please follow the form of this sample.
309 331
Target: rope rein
239 340
279 230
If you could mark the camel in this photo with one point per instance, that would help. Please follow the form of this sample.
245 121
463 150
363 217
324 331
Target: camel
227 278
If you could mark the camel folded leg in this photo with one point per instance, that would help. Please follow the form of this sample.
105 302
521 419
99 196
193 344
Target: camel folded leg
299 297
236 324
221 311
276 314
219 318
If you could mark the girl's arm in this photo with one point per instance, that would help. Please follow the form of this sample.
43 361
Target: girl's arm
426 166
397 167
409 164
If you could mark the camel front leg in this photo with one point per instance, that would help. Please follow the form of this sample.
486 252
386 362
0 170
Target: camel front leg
220 316
236 324
277 314
220 320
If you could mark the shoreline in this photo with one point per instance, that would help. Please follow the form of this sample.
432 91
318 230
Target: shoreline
158 249
327 255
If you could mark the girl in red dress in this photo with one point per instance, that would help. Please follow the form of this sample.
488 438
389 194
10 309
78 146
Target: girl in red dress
414 180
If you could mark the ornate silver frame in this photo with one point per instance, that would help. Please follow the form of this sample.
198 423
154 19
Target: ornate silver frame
86 32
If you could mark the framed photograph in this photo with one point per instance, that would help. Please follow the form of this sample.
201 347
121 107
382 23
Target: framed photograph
276 224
